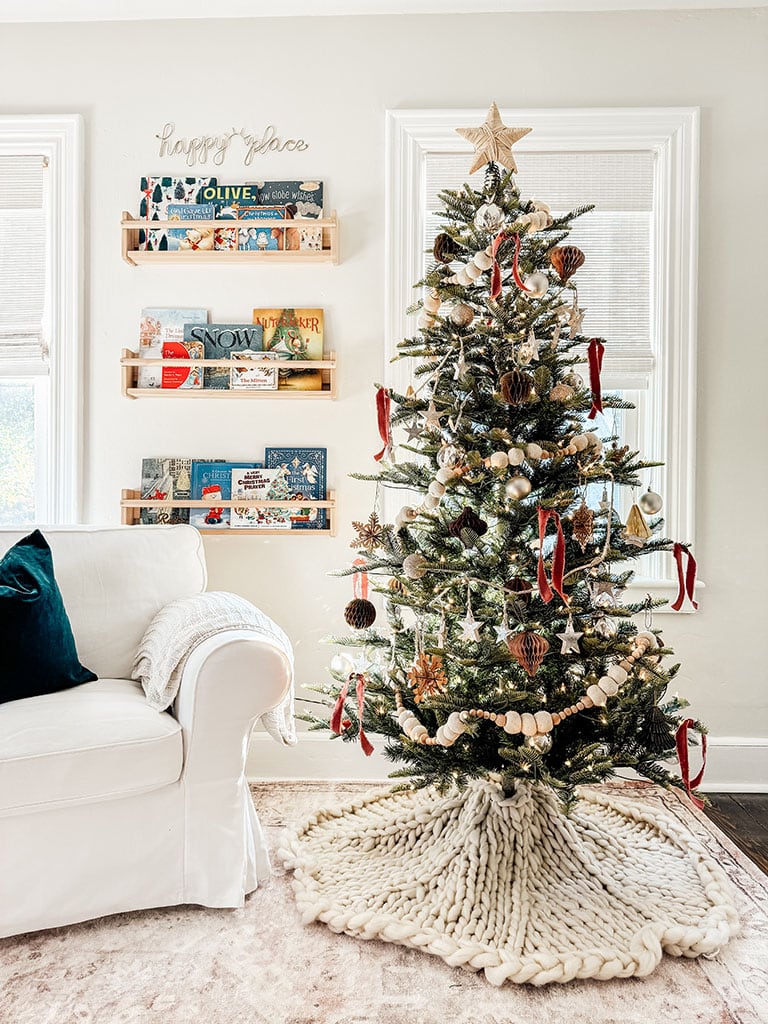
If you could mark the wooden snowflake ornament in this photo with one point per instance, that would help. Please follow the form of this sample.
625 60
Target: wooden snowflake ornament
426 677
369 534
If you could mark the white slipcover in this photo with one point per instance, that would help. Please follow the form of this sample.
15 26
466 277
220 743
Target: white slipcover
105 804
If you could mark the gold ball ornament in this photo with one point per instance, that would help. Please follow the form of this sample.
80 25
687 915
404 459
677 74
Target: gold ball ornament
517 487
360 613
415 566
462 315
651 503
561 393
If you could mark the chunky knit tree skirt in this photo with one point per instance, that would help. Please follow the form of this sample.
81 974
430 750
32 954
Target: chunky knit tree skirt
512 886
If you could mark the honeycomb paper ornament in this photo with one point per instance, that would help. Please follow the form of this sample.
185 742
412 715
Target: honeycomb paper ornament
360 613
468 527
516 387
528 649
444 249
566 259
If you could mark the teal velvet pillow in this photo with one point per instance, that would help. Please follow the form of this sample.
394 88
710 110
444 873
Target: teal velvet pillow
37 649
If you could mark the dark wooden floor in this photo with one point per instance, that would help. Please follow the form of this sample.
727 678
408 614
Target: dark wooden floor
744 819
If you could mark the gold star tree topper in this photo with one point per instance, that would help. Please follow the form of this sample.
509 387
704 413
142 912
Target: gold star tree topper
493 141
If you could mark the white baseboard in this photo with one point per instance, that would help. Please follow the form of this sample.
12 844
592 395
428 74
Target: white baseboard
735 764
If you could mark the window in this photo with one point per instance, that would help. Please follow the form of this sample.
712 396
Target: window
639 167
41 236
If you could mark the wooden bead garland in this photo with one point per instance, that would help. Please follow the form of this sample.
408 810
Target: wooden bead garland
512 722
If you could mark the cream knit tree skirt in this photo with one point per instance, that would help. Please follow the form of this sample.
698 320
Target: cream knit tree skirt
512 886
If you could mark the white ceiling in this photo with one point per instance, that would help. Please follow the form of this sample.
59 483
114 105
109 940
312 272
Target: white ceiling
146 10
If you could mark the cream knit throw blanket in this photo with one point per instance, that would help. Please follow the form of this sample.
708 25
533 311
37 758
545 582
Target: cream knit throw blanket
179 627
511 886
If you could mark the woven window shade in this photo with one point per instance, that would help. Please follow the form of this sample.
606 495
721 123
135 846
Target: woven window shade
615 282
22 261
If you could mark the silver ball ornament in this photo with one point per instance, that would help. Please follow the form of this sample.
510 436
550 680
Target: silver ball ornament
573 380
489 217
651 503
462 315
542 743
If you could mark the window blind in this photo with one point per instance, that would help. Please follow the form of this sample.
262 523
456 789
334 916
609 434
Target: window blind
23 262
616 281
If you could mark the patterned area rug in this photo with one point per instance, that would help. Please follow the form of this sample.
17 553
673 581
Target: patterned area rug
259 966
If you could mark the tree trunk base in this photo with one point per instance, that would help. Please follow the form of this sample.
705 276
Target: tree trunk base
512 886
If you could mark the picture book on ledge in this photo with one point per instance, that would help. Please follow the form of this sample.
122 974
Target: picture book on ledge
225 341
190 239
212 480
304 472
165 479
157 193
160 327
260 485
293 335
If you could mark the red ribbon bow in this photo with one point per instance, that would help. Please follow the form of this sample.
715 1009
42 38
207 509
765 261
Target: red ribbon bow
547 592
685 583
681 743
385 427
359 590
360 581
338 709
595 356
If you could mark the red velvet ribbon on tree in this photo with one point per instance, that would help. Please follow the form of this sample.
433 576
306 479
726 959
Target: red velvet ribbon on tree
547 591
385 427
686 582
496 271
360 581
595 357
681 743
359 590
338 710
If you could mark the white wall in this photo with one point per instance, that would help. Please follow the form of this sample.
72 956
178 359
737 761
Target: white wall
330 80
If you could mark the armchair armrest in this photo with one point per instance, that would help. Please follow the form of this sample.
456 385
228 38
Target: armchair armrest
228 682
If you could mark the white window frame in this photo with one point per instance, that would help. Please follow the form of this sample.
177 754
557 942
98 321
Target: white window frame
666 416
59 138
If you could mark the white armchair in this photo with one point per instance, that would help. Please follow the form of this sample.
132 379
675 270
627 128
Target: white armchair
105 804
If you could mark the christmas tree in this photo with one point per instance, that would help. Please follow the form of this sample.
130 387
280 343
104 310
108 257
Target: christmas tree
509 672
507 649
